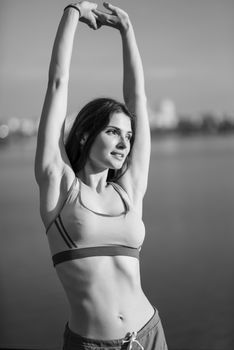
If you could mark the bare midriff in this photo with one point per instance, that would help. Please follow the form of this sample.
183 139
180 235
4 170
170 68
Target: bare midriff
105 296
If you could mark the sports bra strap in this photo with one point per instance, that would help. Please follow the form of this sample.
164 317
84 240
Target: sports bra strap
123 194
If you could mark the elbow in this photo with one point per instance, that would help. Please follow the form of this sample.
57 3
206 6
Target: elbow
56 81
44 167
141 95
43 173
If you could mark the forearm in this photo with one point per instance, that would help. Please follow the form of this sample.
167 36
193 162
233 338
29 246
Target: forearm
63 45
133 75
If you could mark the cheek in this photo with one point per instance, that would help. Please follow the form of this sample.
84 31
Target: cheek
129 147
104 144
100 146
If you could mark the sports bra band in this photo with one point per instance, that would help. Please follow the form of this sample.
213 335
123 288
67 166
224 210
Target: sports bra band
80 253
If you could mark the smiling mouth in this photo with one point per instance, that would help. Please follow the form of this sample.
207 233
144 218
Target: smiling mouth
117 155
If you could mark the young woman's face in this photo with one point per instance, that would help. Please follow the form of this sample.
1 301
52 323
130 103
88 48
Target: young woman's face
112 145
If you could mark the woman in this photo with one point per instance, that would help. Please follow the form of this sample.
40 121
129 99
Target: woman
91 193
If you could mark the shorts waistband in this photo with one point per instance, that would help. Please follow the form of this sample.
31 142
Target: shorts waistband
80 340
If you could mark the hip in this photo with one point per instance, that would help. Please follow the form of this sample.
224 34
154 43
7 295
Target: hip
111 317
149 337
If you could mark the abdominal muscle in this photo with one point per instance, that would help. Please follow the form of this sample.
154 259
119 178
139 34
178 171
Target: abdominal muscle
105 296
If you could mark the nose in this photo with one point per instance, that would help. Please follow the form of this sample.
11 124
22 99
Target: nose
122 144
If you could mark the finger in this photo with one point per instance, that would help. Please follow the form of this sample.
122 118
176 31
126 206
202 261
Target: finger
95 15
101 14
98 22
98 12
110 7
97 18
93 23
93 26
88 22
103 17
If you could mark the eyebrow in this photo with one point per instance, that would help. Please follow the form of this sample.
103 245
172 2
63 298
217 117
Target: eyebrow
115 127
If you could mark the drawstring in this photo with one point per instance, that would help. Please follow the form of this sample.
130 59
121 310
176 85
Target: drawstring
131 338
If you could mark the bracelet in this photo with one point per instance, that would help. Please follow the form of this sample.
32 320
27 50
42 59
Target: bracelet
74 7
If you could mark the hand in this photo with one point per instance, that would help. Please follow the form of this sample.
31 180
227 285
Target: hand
87 13
117 18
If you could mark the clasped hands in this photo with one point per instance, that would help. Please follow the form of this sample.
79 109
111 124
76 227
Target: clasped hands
95 18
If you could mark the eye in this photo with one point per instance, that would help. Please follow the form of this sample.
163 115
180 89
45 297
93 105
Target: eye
129 137
112 131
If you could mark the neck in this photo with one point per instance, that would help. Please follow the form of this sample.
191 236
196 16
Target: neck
97 180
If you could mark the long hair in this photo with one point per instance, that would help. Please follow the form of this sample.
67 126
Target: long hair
91 120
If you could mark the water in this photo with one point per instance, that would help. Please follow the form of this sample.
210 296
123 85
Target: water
187 259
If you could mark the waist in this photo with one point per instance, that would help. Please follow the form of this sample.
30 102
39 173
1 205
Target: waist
146 325
111 318
100 284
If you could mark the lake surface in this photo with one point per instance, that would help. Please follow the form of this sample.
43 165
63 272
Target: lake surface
186 262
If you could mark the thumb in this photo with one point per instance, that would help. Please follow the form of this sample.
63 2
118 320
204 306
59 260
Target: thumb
110 7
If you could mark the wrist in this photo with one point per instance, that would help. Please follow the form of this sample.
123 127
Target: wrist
125 25
75 7
80 9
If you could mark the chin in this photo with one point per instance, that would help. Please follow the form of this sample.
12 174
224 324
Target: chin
116 167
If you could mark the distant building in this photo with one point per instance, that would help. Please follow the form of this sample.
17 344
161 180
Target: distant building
166 116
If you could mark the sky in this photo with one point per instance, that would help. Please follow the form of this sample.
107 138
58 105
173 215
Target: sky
187 49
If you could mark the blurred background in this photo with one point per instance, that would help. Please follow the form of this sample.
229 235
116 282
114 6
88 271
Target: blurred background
187 260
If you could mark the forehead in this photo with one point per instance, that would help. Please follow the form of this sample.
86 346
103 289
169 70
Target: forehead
121 121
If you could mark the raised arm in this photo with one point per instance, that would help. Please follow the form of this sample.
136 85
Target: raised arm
50 148
135 179
135 99
52 168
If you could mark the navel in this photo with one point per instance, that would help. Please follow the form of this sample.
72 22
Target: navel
121 318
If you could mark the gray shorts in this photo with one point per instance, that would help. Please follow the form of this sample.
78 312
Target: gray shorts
149 337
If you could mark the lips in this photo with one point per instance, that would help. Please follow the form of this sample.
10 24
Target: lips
118 155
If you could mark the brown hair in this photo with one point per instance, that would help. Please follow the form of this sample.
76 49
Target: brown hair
91 120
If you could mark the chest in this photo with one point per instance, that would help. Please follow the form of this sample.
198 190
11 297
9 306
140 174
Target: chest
87 228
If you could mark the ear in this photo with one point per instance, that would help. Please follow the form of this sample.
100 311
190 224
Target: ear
83 139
